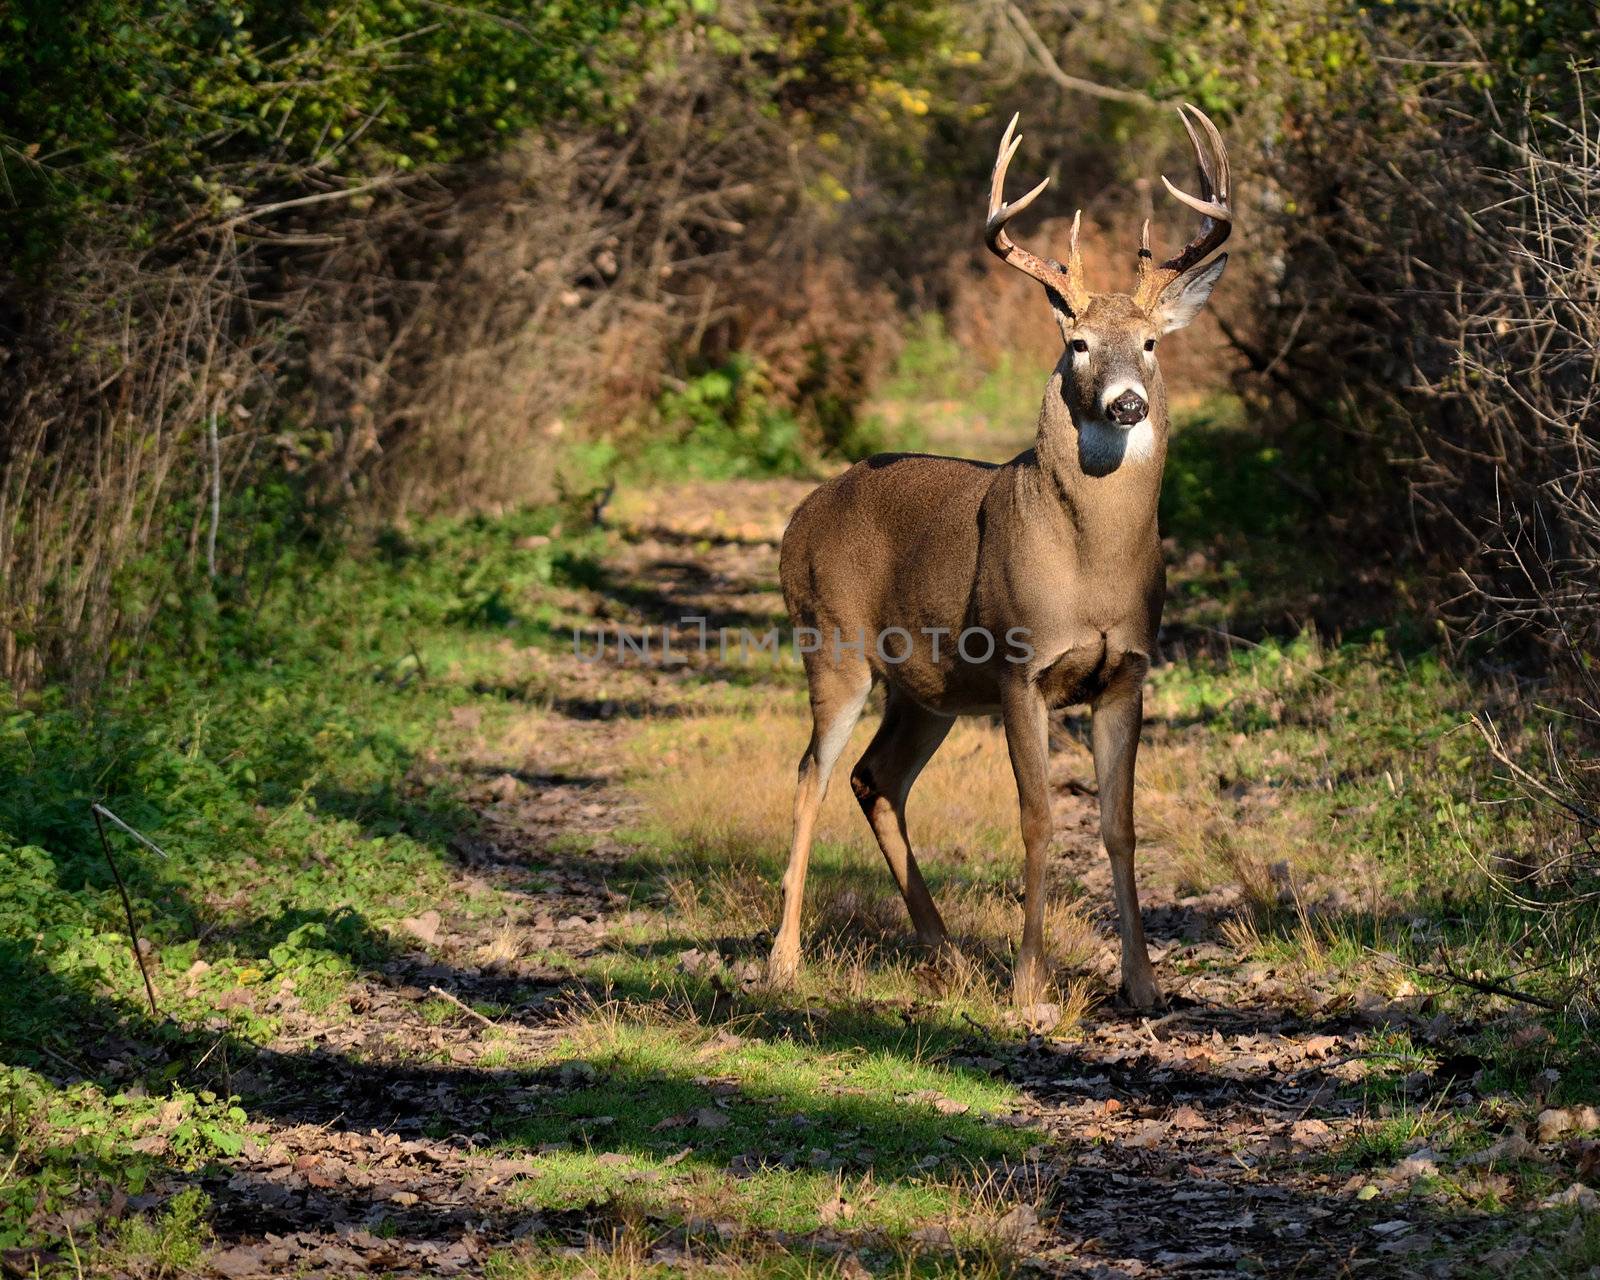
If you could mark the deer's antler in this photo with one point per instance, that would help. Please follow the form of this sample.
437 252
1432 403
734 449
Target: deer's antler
1211 158
1065 281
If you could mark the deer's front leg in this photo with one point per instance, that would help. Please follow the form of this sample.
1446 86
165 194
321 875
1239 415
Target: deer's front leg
1118 717
1028 739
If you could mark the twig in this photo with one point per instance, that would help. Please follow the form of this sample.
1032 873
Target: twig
300 202
1491 738
65 1061
1077 84
464 1007
101 811
1492 988
1487 986
127 902
1177 1015
216 495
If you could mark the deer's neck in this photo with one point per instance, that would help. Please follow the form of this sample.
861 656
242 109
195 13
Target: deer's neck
1106 481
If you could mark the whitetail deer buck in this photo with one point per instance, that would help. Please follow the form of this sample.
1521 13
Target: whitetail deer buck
1050 565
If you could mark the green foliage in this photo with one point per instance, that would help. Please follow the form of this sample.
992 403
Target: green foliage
166 108
931 364
289 730
724 423
274 762
173 1241
156 112
1530 46
1216 463
63 1136
1302 50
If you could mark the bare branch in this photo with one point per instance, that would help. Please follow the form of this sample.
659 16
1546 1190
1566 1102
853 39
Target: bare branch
1052 68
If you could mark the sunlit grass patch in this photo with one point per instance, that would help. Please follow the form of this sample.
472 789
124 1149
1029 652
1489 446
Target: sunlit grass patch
771 1125
643 1249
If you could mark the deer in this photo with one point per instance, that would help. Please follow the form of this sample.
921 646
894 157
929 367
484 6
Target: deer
968 588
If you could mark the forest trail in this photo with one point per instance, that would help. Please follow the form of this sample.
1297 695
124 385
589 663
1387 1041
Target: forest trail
490 1096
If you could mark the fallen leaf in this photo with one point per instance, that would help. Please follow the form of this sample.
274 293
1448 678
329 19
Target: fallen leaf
1016 1224
425 928
1419 1164
1553 1122
710 1118
1187 1118
1524 1037
27 1262
1040 1017
1148 1134
1511 1147
1311 1133
242 1260
1577 1196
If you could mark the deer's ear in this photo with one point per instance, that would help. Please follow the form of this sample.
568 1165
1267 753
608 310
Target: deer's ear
1180 301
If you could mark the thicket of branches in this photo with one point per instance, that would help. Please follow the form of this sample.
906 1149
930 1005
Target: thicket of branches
1430 308
271 265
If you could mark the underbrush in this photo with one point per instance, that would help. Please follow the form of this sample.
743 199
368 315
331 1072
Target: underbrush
1343 790
726 423
276 754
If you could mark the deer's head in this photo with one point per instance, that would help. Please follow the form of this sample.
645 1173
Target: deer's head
1111 338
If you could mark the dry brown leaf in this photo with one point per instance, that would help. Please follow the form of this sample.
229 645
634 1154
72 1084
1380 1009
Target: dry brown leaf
424 927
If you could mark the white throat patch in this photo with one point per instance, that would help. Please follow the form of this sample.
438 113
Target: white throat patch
1104 445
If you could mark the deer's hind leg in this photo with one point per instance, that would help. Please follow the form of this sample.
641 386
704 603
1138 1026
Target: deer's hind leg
882 779
838 692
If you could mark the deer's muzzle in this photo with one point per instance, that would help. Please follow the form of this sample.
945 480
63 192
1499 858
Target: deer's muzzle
1128 409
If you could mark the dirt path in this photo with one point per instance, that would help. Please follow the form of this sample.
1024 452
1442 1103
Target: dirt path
1193 1144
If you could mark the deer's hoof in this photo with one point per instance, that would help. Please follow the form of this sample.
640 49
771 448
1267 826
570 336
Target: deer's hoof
1142 991
782 967
1028 986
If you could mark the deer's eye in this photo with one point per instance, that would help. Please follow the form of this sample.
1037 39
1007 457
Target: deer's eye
1080 346
1149 344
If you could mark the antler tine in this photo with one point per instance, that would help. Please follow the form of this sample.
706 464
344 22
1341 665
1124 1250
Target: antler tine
1063 281
1211 159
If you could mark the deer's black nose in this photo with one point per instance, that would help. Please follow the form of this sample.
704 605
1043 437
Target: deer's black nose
1127 409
